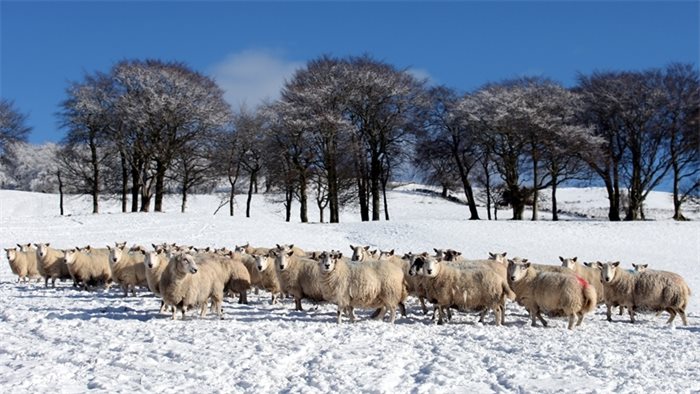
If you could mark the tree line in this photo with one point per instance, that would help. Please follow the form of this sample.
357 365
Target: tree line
343 128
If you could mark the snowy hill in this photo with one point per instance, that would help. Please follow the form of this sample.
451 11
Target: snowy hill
73 341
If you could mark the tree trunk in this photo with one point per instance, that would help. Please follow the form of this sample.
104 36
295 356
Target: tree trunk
289 197
95 176
535 189
135 188
488 191
555 214
362 191
518 208
251 184
303 200
677 203
444 191
332 180
375 175
60 193
184 200
614 214
232 180
386 205
125 180
145 200
466 185
160 186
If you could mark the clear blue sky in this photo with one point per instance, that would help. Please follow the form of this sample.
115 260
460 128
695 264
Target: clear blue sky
251 47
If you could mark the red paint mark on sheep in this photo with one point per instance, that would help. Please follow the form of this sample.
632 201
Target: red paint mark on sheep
582 282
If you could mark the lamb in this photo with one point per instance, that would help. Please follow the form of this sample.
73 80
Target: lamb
268 277
473 288
51 264
590 274
369 285
298 276
186 284
128 269
23 262
552 292
88 269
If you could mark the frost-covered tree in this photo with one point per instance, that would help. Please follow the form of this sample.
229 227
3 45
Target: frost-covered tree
13 127
30 167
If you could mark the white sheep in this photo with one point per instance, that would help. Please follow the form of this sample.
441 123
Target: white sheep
590 274
551 292
412 282
362 253
127 267
298 276
296 251
187 284
51 264
23 262
472 288
268 277
88 269
371 284
155 262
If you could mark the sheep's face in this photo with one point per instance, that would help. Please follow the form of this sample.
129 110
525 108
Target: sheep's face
451 255
186 264
42 250
640 267
499 257
359 253
327 261
386 255
25 247
282 259
152 260
120 245
416 266
439 253
70 255
608 271
11 254
241 249
115 254
517 269
431 267
261 262
568 263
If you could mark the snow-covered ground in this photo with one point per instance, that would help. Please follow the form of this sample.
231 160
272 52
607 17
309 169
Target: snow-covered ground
71 341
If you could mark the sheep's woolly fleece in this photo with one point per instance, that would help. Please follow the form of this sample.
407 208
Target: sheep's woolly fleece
70 340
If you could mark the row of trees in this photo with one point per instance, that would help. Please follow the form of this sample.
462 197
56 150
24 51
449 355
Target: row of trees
342 128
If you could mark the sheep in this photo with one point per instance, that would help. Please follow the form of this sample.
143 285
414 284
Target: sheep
618 285
23 262
368 285
268 277
236 273
88 269
361 253
298 276
291 248
590 274
412 282
128 269
447 254
538 267
186 284
473 288
51 264
640 267
155 263
251 250
658 291
552 292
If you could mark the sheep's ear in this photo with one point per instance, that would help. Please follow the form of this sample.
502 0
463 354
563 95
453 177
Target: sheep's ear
436 251
615 264
504 254
524 260
645 265
561 259
48 244
599 264
313 255
20 246
340 255
587 264
154 247
352 247
291 246
526 265
391 253
574 259
109 247
367 247
492 255
278 246
290 253
143 252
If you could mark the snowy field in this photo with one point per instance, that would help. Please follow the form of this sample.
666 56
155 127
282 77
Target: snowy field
71 341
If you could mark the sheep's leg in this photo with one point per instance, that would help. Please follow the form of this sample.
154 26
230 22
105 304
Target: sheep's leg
351 310
53 282
425 308
673 315
609 311
243 297
572 320
498 315
441 320
274 299
378 313
162 306
125 288
174 317
402 308
203 309
46 282
297 304
338 313
133 290
482 314
503 311
580 319
630 309
683 316
533 317
622 310
539 316
392 314
449 313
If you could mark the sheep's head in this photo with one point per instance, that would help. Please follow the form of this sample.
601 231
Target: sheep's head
115 254
328 260
24 247
608 270
386 254
42 249
517 269
431 267
417 263
186 264
359 253
568 263
70 255
439 253
120 245
640 267
241 248
451 255
499 257
282 258
11 254
262 261
152 259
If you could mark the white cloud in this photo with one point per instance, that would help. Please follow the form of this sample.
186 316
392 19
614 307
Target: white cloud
253 75
422 74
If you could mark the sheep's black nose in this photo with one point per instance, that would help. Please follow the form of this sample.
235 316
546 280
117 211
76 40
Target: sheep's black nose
512 278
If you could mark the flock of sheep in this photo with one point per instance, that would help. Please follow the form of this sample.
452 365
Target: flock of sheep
186 278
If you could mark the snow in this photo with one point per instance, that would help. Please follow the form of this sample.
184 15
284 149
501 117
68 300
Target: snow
73 341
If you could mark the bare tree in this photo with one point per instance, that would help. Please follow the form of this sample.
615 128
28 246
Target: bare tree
13 127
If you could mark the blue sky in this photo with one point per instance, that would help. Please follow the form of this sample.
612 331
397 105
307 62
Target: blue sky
250 48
